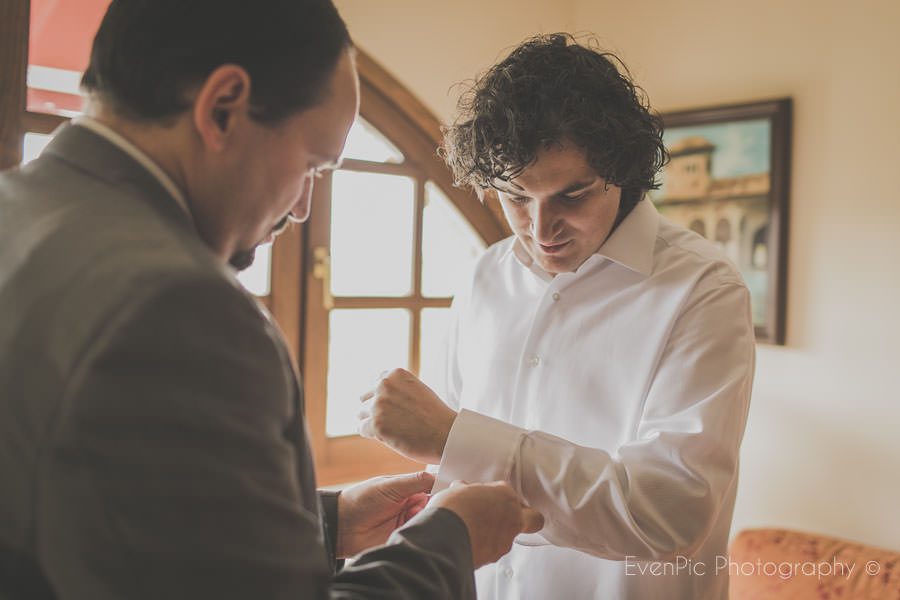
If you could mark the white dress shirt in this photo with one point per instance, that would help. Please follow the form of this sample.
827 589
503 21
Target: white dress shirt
614 400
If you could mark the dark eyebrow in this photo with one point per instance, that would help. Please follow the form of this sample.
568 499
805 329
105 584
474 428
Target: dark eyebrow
575 187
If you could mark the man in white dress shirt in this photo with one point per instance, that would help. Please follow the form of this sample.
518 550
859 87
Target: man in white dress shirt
601 359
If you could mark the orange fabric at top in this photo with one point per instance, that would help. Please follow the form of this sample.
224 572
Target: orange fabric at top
62 32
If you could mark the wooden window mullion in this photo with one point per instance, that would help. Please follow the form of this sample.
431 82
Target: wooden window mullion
415 351
15 22
411 128
45 123
409 302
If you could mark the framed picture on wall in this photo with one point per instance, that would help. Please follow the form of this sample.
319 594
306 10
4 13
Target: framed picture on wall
728 180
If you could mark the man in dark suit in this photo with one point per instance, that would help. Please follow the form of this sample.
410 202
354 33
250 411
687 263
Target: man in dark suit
152 441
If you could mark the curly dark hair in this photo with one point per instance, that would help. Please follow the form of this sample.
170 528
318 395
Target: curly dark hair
551 90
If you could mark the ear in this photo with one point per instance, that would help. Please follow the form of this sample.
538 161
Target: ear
222 99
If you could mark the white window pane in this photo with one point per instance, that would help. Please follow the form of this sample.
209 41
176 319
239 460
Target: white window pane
433 348
54 80
367 143
371 234
54 91
257 277
33 145
361 344
450 245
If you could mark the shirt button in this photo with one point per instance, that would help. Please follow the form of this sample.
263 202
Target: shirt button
556 296
535 361
508 572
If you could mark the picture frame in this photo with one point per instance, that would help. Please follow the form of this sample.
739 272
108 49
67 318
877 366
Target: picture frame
728 179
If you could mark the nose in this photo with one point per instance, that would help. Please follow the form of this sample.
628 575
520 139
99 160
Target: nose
300 211
545 222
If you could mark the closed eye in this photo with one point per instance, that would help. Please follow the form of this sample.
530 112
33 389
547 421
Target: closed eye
574 199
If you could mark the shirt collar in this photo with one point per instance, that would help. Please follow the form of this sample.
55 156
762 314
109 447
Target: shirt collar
633 242
139 155
631 245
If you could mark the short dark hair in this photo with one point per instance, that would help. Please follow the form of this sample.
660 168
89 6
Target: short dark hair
551 90
148 54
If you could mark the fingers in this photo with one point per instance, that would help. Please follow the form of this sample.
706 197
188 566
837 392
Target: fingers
367 430
390 373
409 483
396 373
413 510
419 501
532 520
414 505
365 411
366 427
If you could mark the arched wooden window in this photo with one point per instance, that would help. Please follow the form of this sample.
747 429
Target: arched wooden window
388 240
364 286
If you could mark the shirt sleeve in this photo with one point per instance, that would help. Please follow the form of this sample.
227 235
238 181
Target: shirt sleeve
658 495
177 468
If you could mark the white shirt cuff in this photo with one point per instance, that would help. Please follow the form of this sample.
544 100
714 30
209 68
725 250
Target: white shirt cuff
478 449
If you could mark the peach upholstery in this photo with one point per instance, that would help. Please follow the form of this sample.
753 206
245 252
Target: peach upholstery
772 564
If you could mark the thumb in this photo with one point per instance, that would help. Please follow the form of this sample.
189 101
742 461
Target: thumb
532 520
408 484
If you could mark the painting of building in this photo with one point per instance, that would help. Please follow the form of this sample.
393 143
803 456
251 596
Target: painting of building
717 184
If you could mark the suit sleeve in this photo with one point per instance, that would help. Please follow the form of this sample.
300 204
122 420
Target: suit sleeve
658 495
176 468
328 501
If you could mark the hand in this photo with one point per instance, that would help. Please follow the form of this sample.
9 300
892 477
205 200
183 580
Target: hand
369 511
406 415
493 515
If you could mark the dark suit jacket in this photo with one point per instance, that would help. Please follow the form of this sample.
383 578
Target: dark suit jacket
152 442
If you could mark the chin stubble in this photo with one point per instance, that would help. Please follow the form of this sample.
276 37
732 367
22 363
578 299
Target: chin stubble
242 259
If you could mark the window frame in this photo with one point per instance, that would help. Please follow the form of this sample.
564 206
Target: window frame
15 25
391 109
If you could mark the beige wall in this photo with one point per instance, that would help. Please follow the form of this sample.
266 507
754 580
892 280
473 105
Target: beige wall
431 45
822 451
